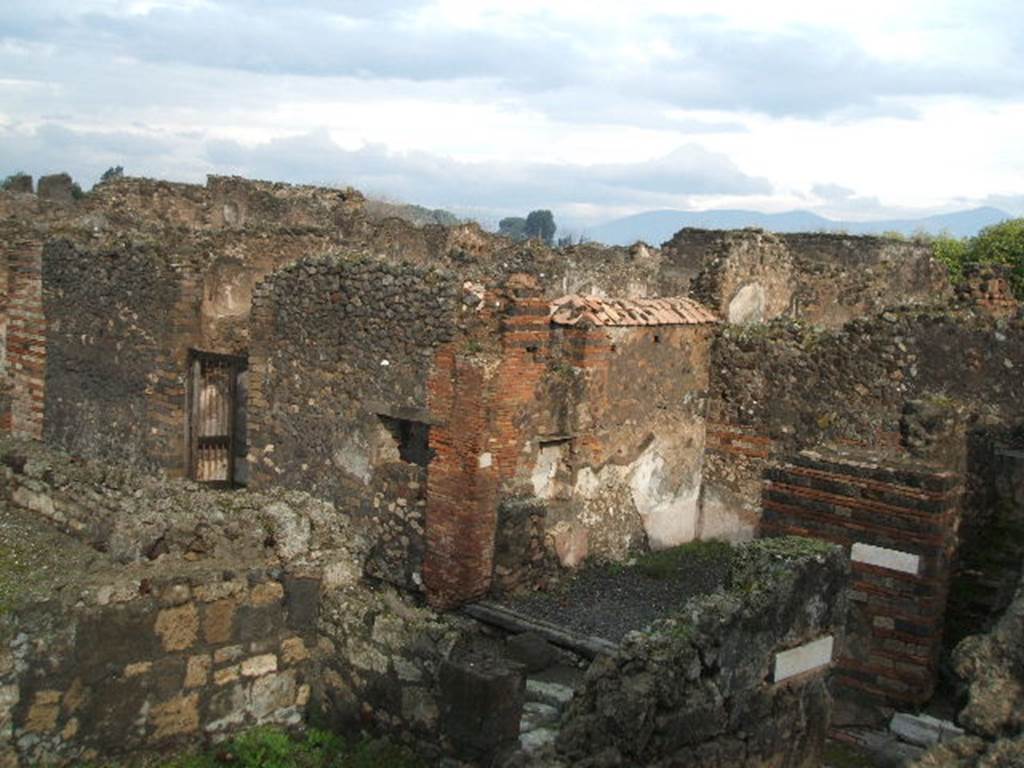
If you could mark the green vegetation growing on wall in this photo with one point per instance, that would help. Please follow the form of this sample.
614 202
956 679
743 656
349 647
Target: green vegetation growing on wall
999 244
269 747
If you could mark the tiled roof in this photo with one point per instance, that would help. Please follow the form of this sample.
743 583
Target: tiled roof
591 310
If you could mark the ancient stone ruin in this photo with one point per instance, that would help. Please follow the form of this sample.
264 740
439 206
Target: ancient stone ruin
272 456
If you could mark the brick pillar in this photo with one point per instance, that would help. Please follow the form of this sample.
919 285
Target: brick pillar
461 514
26 337
899 523
477 447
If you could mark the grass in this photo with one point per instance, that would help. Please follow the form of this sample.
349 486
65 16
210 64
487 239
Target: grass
839 755
11 573
666 563
270 747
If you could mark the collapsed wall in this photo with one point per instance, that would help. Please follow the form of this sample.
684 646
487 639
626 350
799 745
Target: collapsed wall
992 666
782 387
171 615
827 279
182 615
738 678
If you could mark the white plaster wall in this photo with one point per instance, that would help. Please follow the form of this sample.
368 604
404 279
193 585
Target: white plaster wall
656 496
722 516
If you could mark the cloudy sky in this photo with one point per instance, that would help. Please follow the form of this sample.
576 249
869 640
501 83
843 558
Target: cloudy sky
593 108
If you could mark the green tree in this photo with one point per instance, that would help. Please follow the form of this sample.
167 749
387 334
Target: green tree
513 226
541 224
1003 244
112 173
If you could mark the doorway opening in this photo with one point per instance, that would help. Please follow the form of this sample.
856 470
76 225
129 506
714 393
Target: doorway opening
217 395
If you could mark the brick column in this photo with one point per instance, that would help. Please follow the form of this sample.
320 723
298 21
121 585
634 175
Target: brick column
899 522
461 515
478 446
26 336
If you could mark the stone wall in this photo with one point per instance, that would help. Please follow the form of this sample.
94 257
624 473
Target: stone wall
827 279
147 665
381 665
179 614
992 667
898 522
738 678
25 331
618 460
122 319
779 388
187 614
342 353
111 348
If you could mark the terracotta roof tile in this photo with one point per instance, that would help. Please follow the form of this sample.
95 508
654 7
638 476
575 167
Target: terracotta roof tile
592 310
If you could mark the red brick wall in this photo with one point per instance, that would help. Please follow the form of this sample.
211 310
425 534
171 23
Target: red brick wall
895 622
26 335
461 511
484 411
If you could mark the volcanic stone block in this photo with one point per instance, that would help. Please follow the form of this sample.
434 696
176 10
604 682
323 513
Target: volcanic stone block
532 651
481 704
302 602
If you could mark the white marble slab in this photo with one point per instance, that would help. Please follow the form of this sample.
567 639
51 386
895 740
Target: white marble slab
893 559
804 658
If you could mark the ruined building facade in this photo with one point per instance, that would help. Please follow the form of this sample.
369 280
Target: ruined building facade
491 413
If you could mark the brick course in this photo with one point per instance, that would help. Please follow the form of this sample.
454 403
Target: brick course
895 623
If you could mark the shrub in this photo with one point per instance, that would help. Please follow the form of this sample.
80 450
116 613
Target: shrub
1001 243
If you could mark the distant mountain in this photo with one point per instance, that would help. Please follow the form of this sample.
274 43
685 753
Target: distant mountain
655 227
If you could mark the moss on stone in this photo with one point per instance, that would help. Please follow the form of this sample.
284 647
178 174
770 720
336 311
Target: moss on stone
665 563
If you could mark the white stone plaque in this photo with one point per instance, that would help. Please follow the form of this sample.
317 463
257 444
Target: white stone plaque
804 658
893 559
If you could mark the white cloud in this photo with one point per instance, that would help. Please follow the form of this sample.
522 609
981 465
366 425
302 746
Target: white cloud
581 103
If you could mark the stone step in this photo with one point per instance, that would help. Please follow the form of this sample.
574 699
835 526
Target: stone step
553 694
923 730
537 715
534 741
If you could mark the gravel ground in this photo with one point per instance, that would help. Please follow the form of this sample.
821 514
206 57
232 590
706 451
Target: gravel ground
609 601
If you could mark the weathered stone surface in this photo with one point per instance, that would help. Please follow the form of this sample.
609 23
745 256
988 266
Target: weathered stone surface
923 730
176 717
272 693
693 689
481 704
552 694
532 651
177 627
302 603
993 667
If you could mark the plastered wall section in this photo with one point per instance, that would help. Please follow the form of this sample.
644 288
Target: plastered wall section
638 429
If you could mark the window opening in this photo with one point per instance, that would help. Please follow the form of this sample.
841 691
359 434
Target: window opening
412 439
